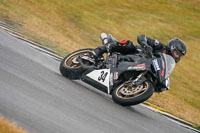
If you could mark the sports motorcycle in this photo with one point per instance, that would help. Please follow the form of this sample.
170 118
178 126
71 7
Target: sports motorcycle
129 83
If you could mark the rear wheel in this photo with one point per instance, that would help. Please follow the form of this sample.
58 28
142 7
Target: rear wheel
127 96
70 67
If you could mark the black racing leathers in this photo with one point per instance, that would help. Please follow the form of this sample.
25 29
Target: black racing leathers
129 48
155 44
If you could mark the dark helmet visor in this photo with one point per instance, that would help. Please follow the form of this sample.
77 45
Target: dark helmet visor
177 55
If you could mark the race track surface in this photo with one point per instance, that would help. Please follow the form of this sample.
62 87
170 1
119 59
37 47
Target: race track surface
38 98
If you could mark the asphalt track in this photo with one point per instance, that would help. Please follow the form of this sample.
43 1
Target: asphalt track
35 96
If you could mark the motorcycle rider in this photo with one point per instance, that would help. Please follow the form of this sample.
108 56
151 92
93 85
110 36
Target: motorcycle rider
175 47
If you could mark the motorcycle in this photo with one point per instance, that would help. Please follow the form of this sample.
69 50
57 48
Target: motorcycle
129 83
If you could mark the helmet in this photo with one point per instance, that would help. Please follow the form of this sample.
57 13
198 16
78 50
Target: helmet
177 49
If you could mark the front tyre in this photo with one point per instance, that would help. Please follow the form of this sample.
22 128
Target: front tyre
127 96
70 67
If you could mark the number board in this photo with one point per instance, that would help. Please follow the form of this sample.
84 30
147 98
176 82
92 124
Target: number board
101 76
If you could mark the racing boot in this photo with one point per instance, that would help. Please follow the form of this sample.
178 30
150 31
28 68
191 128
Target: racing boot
98 53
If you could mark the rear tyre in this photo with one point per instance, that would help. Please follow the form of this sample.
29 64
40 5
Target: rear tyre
127 96
70 68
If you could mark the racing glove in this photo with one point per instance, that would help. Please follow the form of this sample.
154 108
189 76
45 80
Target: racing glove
148 49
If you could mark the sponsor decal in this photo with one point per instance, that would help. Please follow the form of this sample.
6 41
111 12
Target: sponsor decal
156 66
111 79
163 66
138 67
116 74
163 72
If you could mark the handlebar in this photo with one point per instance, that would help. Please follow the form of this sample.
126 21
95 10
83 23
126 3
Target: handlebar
147 50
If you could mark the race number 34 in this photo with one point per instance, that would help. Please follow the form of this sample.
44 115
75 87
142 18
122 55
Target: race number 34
103 76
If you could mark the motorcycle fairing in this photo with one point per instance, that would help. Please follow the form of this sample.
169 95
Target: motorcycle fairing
159 65
127 67
141 65
163 67
159 69
99 79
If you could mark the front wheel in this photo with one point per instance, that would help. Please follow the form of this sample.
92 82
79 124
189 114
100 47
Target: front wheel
70 67
125 95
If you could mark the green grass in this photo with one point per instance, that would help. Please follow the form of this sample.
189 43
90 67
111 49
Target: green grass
66 25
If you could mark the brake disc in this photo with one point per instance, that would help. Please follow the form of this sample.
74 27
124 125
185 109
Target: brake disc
127 91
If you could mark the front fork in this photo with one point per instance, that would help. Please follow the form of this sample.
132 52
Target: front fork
140 79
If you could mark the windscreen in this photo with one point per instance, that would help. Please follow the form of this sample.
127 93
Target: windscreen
170 64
